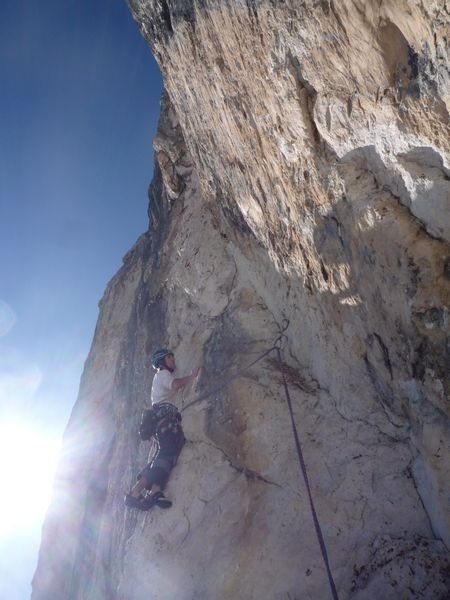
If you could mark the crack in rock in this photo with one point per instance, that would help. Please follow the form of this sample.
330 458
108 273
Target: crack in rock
249 473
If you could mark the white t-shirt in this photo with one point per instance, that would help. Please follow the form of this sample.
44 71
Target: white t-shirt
162 387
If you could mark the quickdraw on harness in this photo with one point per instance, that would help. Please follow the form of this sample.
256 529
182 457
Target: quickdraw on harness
224 381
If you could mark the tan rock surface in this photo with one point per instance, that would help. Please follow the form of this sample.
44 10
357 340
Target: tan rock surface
303 175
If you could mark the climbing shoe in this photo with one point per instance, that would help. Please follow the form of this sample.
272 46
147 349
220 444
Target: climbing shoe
140 503
133 501
160 500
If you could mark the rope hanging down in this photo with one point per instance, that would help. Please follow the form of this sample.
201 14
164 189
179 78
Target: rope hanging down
301 460
277 348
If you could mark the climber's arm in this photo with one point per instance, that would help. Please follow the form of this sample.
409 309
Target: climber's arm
180 382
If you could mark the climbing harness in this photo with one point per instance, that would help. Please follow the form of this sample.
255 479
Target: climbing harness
276 347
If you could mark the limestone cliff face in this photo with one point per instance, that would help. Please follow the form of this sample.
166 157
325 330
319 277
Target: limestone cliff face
302 174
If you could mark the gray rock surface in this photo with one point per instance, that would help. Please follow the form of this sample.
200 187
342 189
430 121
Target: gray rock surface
303 175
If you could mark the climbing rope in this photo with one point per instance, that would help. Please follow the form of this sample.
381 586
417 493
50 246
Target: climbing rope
277 348
223 381
301 460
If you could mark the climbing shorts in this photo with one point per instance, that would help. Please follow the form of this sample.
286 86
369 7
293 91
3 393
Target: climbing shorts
158 471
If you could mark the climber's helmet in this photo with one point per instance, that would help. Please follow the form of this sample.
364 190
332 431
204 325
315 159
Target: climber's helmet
158 357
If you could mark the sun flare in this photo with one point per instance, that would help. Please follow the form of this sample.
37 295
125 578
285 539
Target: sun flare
28 460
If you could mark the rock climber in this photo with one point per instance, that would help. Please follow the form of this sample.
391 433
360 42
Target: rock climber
165 428
165 386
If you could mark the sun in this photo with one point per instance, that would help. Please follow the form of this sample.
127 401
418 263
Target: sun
28 458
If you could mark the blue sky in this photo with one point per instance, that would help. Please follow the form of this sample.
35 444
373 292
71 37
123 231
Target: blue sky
79 104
